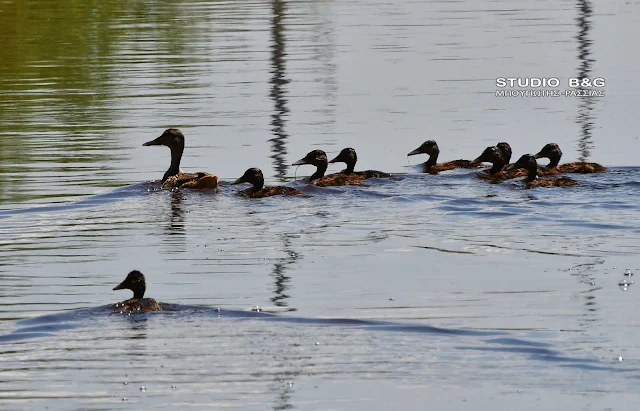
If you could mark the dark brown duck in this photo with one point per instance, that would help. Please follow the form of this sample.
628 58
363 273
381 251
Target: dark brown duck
350 158
430 147
553 153
505 150
174 177
254 177
136 283
528 163
498 160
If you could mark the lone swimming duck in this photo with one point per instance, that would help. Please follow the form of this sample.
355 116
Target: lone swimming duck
349 157
135 282
254 176
528 162
553 153
318 158
174 177
430 147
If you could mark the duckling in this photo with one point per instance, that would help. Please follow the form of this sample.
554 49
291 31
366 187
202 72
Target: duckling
136 283
430 147
496 157
528 162
553 153
254 176
174 177
318 158
349 157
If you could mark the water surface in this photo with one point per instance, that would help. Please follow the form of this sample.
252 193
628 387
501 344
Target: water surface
424 290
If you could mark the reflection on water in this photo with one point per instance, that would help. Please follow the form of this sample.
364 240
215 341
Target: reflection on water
278 92
586 104
281 280
586 275
176 221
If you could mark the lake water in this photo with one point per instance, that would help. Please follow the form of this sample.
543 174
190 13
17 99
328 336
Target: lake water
427 291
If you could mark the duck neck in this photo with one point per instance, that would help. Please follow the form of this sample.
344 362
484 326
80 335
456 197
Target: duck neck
496 167
321 168
138 293
174 168
258 185
553 160
433 158
532 173
350 167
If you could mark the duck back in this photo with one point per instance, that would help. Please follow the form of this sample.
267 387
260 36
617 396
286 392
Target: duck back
270 191
138 304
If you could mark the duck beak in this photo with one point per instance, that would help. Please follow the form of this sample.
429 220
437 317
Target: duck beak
537 156
510 167
414 152
239 181
477 160
155 142
300 162
335 160
121 286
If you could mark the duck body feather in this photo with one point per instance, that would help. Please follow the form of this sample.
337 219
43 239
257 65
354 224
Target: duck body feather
500 176
370 174
449 165
199 180
552 182
270 191
339 179
581 168
138 304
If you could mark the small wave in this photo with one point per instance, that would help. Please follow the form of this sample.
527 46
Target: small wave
88 202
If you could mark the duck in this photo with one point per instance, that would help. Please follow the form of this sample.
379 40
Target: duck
318 158
528 163
349 157
505 150
258 190
135 282
174 177
430 147
498 160
553 153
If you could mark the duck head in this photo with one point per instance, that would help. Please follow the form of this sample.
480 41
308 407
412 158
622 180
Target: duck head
317 158
491 155
252 176
429 147
505 150
134 282
552 152
528 162
347 156
174 139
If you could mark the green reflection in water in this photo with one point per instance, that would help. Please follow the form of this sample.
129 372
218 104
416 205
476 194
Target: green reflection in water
70 72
